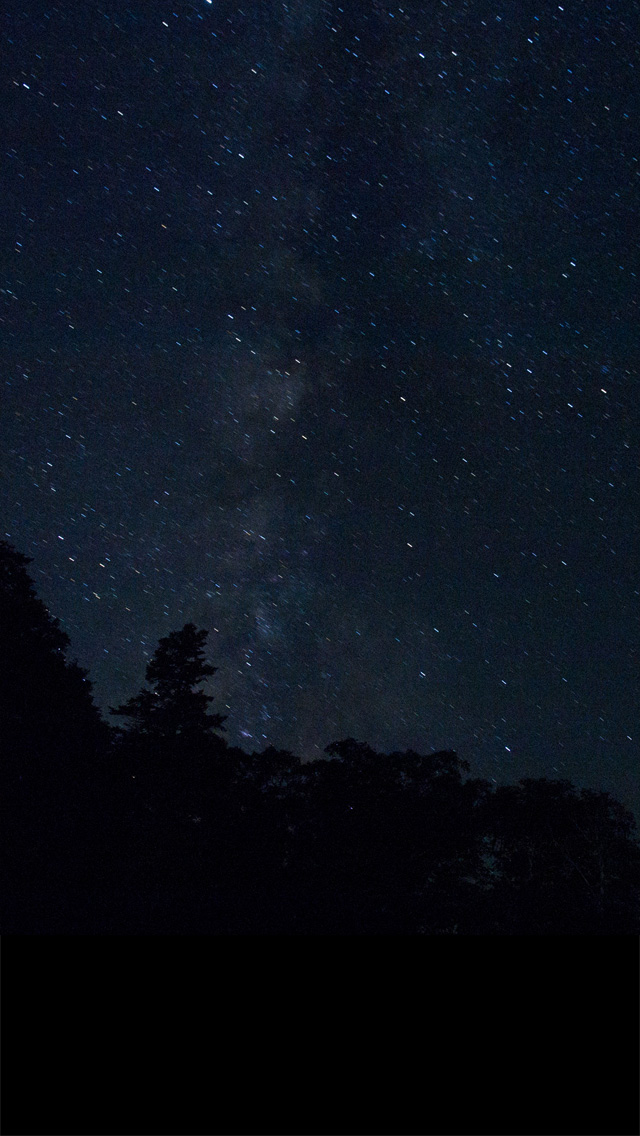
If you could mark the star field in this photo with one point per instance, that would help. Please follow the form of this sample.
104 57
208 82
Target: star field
320 330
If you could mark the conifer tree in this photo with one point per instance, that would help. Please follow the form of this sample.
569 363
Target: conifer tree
53 746
49 724
174 709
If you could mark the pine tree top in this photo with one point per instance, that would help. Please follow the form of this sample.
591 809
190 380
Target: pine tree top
175 707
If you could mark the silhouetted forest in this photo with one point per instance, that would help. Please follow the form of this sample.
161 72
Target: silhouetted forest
154 824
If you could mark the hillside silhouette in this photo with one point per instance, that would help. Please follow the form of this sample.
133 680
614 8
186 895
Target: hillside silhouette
159 826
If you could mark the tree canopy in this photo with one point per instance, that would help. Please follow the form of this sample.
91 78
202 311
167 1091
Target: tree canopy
46 704
175 709
164 828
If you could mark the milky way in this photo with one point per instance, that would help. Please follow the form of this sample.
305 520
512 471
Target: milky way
320 329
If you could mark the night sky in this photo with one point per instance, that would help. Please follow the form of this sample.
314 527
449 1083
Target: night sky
320 329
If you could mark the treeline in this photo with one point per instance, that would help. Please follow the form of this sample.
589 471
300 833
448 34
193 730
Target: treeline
157 825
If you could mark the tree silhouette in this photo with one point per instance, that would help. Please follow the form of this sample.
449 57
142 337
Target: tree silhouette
381 843
42 696
176 769
174 709
53 747
565 861
164 828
